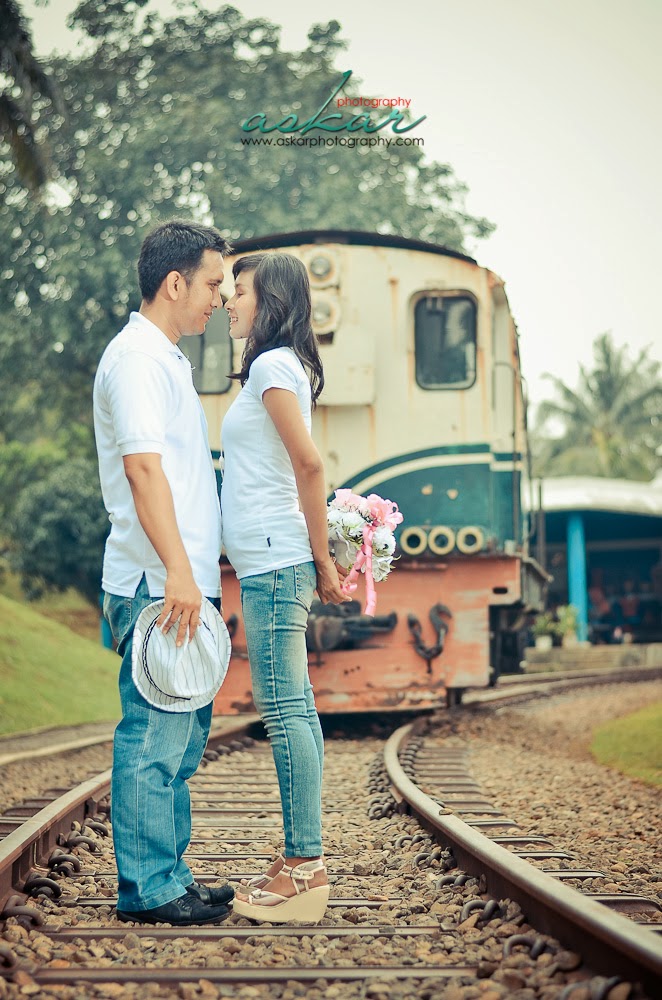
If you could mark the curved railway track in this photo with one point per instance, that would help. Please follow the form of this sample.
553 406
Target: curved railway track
439 901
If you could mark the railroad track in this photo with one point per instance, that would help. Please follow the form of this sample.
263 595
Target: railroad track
511 688
410 907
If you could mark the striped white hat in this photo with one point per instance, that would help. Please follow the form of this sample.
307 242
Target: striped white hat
184 678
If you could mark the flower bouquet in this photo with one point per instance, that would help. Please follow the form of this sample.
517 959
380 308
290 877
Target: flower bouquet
361 539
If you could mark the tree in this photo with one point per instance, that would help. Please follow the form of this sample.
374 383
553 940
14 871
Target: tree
23 79
153 130
610 424
59 527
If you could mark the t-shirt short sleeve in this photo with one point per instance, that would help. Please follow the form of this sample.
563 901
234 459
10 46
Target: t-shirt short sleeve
140 397
274 370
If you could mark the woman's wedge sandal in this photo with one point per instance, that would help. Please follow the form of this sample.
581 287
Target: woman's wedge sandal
308 905
260 881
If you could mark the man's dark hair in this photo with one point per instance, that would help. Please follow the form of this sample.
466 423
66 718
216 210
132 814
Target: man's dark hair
175 246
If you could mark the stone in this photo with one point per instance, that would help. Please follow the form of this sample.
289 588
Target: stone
207 989
506 930
187 991
510 978
568 960
22 978
620 992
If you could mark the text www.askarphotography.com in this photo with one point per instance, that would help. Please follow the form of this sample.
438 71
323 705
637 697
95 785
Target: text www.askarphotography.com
349 142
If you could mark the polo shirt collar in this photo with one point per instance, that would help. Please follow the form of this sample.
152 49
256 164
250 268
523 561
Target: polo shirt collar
157 338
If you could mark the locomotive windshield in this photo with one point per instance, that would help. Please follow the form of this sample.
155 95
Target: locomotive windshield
445 341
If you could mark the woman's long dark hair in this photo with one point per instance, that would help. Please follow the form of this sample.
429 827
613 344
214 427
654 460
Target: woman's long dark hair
282 314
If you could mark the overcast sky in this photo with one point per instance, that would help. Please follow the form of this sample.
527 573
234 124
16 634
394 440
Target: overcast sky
549 111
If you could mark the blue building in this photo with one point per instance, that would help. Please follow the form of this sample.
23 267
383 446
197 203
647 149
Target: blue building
603 547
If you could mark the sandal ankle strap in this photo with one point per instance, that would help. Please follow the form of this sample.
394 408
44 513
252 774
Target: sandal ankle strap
302 872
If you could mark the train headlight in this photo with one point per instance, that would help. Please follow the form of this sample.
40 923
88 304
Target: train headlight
322 313
321 266
325 314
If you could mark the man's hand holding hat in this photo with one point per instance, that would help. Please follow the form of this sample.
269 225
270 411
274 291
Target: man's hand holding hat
181 603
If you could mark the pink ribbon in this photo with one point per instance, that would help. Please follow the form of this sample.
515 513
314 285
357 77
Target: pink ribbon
363 556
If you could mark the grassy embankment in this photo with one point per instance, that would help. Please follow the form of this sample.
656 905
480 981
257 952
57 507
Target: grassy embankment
632 744
49 675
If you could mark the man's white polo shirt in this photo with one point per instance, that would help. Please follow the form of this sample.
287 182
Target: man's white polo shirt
144 401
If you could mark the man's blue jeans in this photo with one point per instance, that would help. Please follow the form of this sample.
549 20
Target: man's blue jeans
153 755
275 608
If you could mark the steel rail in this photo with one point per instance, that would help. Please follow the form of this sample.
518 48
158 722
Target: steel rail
608 942
30 845
32 842
125 975
520 687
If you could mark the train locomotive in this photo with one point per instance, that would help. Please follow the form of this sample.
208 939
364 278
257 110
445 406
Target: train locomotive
423 404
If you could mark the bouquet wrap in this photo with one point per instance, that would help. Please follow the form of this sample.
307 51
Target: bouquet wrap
361 539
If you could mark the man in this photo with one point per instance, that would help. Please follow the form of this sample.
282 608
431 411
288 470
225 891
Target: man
159 489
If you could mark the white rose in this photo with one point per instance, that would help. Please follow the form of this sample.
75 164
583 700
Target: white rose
383 542
381 567
353 524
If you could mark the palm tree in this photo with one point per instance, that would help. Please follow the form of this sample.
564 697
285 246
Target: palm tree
21 78
610 424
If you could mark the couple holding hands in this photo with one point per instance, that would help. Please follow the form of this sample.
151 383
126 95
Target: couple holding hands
159 488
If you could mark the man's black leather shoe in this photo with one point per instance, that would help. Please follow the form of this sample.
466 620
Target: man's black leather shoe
180 912
219 895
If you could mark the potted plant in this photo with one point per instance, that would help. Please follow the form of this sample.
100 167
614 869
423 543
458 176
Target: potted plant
544 629
567 626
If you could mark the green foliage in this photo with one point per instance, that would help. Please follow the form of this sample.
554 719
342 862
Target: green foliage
151 131
21 78
632 744
49 676
58 531
20 466
23 463
545 624
567 615
610 423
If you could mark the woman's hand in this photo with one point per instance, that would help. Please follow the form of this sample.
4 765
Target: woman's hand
328 583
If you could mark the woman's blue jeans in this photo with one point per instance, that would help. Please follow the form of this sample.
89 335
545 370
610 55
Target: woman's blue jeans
275 608
153 755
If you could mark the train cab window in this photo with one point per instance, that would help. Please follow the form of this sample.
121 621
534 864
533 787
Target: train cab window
211 355
445 341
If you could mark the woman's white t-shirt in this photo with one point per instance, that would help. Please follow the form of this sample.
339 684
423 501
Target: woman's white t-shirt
263 526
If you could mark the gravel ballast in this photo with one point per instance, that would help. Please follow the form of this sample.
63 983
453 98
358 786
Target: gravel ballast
531 759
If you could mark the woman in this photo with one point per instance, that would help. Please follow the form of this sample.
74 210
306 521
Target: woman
275 532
